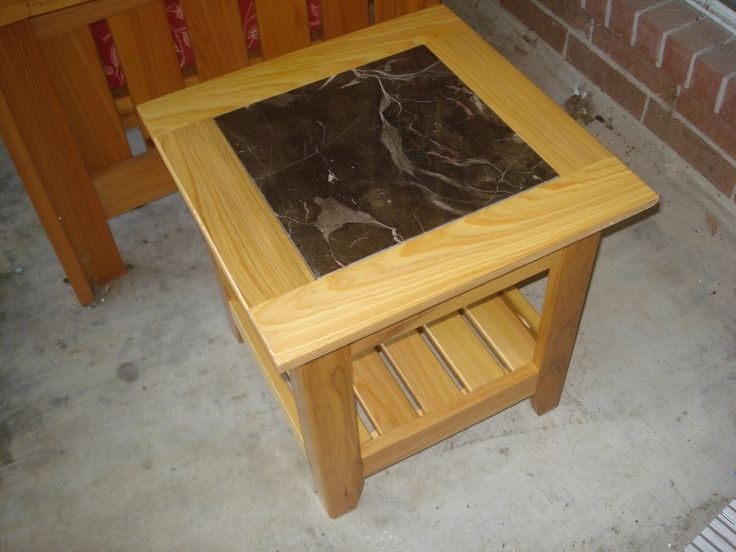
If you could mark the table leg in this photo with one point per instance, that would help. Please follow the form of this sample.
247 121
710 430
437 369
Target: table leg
567 287
323 390
226 291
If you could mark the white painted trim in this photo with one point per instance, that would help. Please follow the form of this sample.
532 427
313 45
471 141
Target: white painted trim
717 11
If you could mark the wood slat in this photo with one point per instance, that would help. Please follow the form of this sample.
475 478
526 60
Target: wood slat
283 25
456 303
498 324
146 51
499 394
44 130
323 60
340 17
132 183
217 36
63 16
421 372
381 396
74 65
523 308
463 351
211 176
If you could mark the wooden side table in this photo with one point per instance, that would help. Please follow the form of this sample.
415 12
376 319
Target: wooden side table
351 194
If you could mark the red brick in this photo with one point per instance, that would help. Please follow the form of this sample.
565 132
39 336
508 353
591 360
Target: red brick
606 77
690 106
728 109
652 26
597 10
703 158
710 70
683 44
623 13
570 12
552 32
632 61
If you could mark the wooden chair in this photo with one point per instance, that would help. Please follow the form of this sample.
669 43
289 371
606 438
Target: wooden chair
66 131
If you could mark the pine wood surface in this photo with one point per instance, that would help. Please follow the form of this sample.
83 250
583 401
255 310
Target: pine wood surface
593 192
340 17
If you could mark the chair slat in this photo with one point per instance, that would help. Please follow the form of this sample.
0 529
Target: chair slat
283 25
146 50
388 9
75 68
217 36
340 17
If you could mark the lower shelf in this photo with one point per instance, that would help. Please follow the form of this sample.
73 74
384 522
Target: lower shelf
417 389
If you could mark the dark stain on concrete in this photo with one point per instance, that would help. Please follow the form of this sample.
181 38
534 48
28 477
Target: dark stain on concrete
504 451
58 402
128 372
5 437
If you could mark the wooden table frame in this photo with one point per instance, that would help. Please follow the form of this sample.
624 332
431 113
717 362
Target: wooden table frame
322 343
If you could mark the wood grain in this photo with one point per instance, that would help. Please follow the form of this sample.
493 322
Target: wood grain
425 431
323 390
44 206
502 329
459 301
521 306
420 370
44 129
74 65
143 40
132 183
61 17
255 253
217 36
340 17
461 349
381 397
369 295
283 25
12 11
564 298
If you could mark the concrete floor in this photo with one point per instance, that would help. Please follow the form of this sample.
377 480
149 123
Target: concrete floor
139 424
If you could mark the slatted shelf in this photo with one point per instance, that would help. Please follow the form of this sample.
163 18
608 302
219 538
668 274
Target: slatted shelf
432 381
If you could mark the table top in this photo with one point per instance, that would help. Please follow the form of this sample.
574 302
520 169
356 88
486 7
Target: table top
369 158
306 300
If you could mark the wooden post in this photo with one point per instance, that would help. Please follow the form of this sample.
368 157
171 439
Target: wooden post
41 142
323 390
567 287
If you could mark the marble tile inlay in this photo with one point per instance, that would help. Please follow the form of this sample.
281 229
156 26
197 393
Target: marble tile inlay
374 156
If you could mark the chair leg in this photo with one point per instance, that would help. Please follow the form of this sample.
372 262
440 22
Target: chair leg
323 390
567 288
40 140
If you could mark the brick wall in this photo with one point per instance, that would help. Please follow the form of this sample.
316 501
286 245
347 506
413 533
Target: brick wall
663 61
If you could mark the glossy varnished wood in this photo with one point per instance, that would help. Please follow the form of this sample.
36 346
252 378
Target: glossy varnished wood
74 65
340 17
44 130
217 36
283 26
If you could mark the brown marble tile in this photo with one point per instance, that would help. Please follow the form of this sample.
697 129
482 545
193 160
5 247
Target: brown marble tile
371 157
